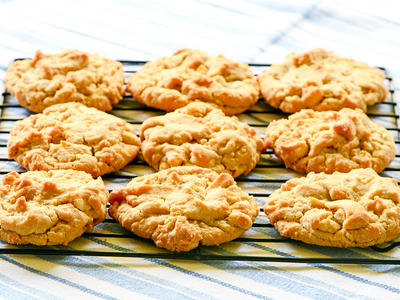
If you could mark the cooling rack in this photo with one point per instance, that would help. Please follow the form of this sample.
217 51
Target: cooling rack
260 243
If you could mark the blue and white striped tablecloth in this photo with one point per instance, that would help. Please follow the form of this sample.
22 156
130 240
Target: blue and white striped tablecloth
248 31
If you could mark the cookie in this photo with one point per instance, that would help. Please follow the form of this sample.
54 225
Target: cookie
200 134
329 141
320 80
183 207
355 209
50 208
172 82
73 136
70 75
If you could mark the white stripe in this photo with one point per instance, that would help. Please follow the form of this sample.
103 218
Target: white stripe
236 280
346 283
187 280
152 273
201 284
23 291
100 286
42 283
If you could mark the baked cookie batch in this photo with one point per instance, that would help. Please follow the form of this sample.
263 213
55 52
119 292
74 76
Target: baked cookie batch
198 148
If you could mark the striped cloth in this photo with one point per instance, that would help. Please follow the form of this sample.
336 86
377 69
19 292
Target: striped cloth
249 31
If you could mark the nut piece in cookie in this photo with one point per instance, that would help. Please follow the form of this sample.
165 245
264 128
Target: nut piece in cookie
329 141
70 75
50 208
172 82
320 80
73 136
200 134
183 207
355 209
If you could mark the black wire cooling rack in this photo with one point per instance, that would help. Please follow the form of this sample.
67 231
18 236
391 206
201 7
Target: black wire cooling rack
268 175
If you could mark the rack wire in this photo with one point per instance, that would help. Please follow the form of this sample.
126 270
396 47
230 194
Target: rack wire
264 244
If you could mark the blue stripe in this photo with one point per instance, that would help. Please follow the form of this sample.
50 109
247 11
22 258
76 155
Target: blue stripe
258 270
20 284
136 284
96 38
8 47
56 278
291 7
176 268
272 279
181 29
354 277
332 252
276 280
28 36
326 19
12 293
392 22
281 35
300 43
229 8
328 251
225 28
135 273
84 34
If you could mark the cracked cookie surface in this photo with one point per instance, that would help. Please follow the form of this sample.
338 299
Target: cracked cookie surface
200 134
68 76
73 136
50 208
328 141
172 82
355 209
320 80
183 207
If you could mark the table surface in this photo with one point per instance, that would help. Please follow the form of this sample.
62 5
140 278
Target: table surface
250 31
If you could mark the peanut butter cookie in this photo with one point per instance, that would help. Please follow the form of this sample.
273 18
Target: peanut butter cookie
355 209
200 134
172 82
183 207
70 75
73 136
50 208
329 141
320 80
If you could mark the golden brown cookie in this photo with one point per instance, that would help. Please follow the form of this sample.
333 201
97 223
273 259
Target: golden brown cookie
200 134
172 82
70 75
50 208
320 80
183 207
73 136
330 141
355 209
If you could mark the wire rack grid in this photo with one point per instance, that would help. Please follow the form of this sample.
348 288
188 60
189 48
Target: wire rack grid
260 243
